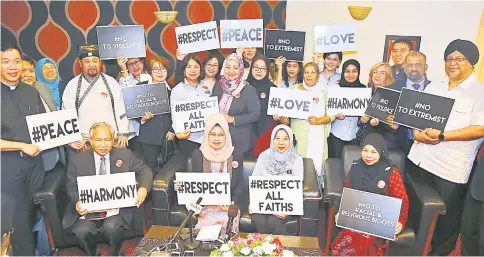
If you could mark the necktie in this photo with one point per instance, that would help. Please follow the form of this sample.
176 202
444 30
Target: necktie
416 86
102 166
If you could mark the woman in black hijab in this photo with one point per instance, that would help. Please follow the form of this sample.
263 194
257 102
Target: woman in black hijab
371 173
344 129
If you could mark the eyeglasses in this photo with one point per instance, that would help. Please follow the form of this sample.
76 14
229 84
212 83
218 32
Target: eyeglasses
213 66
135 63
459 59
158 70
259 68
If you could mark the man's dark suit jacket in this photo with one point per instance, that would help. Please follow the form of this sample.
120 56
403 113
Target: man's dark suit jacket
246 111
83 164
477 190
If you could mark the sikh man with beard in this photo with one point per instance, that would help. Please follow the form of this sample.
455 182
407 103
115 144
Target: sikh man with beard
97 97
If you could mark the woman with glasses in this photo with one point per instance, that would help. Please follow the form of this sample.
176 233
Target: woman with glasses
259 78
312 133
210 68
238 102
290 73
154 129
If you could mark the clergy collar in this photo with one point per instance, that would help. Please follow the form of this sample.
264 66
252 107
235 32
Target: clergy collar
11 87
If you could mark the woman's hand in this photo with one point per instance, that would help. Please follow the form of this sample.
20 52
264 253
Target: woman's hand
122 63
176 185
179 55
31 150
281 216
280 61
313 120
364 119
315 58
390 122
146 117
276 117
230 119
340 116
170 136
374 122
183 135
399 228
284 120
240 51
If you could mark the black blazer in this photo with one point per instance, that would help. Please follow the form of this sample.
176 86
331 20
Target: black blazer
237 179
246 111
83 164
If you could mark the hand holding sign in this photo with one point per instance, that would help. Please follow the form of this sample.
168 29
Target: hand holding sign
31 150
184 135
179 55
423 137
80 210
142 193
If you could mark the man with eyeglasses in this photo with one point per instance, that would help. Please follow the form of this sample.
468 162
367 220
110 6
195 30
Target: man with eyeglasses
329 75
445 158
96 97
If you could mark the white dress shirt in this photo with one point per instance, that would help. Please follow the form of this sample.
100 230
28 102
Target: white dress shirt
97 162
453 160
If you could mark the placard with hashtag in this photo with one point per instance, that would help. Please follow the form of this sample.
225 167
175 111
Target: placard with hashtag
98 193
289 44
348 101
335 38
276 195
292 103
197 37
241 33
53 129
214 188
192 114
121 40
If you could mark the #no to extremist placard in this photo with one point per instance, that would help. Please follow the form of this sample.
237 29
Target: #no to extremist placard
123 40
348 101
192 114
422 110
335 38
383 103
214 188
241 33
98 193
276 195
52 129
146 98
197 37
289 44
369 213
292 103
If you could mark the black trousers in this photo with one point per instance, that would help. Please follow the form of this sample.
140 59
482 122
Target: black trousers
21 178
448 226
336 145
269 224
150 154
135 146
111 228
472 227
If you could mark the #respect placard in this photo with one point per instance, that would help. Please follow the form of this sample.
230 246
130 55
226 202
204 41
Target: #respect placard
289 44
335 38
293 103
348 101
98 193
146 98
53 129
214 188
276 195
197 37
241 33
122 40
192 114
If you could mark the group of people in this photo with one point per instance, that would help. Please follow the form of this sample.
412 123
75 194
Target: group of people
241 82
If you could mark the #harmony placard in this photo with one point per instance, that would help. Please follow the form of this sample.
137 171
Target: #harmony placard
122 40
348 101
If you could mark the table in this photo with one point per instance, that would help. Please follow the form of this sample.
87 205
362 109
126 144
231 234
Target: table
157 235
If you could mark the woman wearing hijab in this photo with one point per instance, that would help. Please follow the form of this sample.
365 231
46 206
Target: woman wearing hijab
218 155
372 173
312 133
259 78
280 159
46 72
238 102
344 129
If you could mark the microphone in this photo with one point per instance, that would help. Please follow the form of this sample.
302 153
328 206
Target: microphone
193 208
232 213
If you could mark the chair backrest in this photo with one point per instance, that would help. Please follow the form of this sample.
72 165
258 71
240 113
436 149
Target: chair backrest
352 153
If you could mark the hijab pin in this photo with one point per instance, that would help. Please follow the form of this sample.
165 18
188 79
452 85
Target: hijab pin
263 95
381 184
119 163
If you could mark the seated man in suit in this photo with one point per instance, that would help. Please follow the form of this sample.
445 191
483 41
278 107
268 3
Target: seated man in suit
100 160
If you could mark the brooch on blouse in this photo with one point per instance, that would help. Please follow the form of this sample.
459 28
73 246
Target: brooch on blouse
104 94
381 184
235 164
119 163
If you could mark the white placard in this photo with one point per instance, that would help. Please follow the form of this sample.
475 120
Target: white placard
192 114
335 38
102 192
348 101
197 37
292 103
276 195
52 129
241 33
214 188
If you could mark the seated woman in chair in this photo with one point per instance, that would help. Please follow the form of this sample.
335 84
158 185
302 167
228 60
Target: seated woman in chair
375 174
217 155
280 159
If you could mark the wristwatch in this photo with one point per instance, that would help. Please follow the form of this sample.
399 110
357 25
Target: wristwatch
441 136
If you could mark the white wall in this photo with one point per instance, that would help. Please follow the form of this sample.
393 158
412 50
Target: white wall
438 23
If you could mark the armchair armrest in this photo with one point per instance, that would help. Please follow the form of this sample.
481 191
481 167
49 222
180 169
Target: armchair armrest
312 196
49 198
334 177
162 190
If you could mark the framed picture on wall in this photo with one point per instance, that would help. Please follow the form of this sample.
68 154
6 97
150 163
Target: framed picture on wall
389 55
